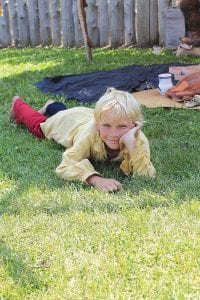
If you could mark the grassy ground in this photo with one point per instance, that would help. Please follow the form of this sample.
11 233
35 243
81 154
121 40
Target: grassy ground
64 240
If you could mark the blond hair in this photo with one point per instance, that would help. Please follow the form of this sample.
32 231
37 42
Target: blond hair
122 104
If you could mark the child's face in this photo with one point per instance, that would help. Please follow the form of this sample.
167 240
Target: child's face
111 129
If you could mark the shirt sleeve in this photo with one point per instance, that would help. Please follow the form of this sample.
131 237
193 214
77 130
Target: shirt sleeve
139 162
75 164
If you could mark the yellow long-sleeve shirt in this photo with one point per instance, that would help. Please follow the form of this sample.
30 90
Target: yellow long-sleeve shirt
75 129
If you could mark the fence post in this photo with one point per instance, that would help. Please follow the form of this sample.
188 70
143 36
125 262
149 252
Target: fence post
34 21
103 18
92 22
153 26
129 22
77 27
142 22
162 10
5 25
45 24
56 22
67 23
23 24
116 23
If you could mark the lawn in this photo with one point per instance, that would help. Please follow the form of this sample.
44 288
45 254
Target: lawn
65 240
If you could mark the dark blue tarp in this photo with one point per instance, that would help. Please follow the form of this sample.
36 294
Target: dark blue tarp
88 87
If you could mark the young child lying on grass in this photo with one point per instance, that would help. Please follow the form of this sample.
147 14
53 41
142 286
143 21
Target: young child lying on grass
110 131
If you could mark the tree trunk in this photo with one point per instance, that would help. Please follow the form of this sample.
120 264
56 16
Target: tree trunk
81 4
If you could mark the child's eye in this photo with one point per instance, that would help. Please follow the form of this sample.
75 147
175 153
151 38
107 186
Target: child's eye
105 125
122 126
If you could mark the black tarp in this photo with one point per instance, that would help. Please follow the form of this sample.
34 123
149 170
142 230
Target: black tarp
88 87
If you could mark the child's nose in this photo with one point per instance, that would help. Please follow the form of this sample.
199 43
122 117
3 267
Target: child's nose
115 132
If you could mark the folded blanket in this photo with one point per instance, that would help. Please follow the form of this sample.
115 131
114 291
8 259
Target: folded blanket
88 87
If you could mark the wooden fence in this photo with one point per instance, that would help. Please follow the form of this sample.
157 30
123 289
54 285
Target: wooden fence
113 23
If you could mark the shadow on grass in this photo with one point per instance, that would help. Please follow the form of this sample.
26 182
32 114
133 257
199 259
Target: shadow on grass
16 268
48 194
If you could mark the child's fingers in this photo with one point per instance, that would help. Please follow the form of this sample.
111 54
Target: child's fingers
121 142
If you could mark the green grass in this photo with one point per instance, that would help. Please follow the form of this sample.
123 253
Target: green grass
65 240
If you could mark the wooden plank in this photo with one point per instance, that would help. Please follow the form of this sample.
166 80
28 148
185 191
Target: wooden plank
67 23
6 24
56 22
142 22
129 22
45 22
14 22
23 24
77 28
153 24
103 22
92 22
175 27
34 22
116 23
162 11
3 33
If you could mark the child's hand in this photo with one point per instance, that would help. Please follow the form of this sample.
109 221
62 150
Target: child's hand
104 184
128 139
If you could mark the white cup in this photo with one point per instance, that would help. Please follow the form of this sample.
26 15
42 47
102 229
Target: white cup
165 82
156 50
